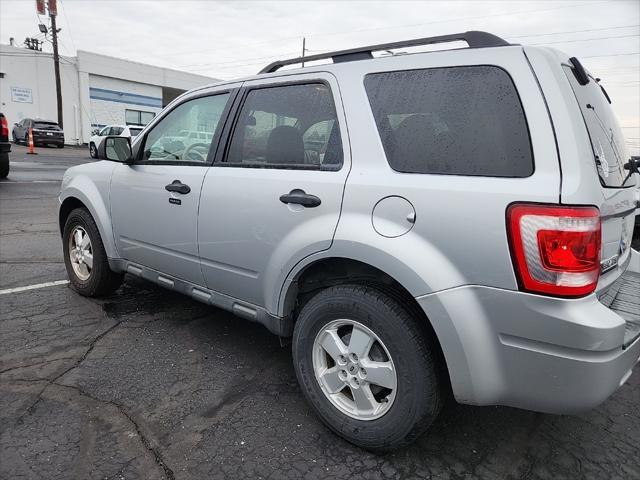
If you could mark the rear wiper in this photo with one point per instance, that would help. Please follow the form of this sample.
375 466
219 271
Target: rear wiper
633 165
604 92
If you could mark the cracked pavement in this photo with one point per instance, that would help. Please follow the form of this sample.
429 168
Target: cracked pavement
149 384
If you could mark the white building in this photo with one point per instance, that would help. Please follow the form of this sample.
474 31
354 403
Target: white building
97 90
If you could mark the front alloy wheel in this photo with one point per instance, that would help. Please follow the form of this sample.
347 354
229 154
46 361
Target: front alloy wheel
80 253
85 257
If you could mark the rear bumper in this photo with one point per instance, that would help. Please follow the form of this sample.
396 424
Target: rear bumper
45 140
552 355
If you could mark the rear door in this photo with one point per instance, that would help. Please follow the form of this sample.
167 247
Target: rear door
274 194
617 184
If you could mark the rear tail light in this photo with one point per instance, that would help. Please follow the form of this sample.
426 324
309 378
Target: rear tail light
555 249
4 128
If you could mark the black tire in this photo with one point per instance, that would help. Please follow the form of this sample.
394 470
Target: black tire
14 138
420 391
102 280
4 165
93 151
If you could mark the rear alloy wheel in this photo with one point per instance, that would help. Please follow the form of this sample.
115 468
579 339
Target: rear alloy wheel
85 257
367 366
358 378
93 151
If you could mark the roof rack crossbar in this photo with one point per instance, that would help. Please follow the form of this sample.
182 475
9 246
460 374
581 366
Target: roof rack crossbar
475 39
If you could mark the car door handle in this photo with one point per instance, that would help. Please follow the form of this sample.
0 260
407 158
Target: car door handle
178 186
301 198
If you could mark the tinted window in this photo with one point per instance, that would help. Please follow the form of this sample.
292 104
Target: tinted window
607 141
165 141
146 117
46 126
457 121
116 130
137 117
292 126
132 117
104 132
134 131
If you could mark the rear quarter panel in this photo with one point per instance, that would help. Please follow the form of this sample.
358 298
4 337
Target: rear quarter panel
459 236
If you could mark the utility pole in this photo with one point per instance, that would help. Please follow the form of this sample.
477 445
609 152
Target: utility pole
53 11
304 42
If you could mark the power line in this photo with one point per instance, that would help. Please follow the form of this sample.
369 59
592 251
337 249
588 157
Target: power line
480 17
572 31
584 39
235 61
612 55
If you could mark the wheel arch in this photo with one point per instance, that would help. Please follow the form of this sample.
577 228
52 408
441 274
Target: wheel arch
84 194
324 272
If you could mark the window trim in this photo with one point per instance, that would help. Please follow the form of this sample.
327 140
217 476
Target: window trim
524 114
222 154
215 141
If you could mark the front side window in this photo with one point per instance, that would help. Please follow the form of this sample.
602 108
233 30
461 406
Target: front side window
293 126
116 130
167 140
455 120
105 131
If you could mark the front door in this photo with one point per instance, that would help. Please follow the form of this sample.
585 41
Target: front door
154 202
274 195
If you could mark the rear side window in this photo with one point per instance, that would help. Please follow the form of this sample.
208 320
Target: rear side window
452 121
289 127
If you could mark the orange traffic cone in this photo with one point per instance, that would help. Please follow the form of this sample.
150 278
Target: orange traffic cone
32 150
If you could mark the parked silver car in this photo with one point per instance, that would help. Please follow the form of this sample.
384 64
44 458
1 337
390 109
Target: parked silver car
454 221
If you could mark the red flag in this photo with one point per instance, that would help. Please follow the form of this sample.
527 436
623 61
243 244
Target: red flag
53 7
40 7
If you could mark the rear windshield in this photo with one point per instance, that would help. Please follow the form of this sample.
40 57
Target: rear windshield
454 120
46 126
607 141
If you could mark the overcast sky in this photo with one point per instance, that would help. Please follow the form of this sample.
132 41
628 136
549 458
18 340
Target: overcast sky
232 39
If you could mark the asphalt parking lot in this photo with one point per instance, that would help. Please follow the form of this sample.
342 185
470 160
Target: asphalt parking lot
149 384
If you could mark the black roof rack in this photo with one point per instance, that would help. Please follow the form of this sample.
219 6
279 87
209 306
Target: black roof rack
475 39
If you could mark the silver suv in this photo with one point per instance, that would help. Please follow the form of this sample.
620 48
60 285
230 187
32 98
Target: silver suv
453 221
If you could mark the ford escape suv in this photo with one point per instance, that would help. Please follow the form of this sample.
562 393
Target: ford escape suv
453 221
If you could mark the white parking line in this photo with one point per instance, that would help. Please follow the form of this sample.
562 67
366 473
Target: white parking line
29 181
33 287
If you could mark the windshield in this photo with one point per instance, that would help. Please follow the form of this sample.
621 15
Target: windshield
607 141
46 126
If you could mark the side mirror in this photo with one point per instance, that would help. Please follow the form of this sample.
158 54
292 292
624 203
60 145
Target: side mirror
116 149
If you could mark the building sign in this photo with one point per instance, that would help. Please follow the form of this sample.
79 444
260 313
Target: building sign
21 95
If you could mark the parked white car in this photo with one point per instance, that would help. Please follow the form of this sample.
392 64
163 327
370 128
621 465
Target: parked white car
129 131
